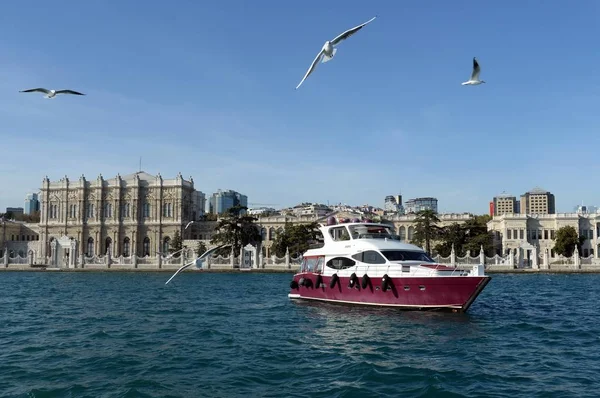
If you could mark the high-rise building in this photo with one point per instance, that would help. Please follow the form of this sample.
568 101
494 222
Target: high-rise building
222 200
418 204
505 204
32 204
14 211
392 203
538 201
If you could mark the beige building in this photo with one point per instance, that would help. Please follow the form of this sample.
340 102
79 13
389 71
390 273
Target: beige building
524 233
505 204
18 238
537 201
137 213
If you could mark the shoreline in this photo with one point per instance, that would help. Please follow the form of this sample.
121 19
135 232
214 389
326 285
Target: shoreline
269 270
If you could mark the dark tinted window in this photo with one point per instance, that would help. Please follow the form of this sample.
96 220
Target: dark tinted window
340 263
369 257
406 255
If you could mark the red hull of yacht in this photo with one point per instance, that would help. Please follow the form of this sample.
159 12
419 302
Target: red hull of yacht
454 293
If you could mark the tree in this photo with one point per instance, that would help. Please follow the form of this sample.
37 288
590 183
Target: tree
426 229
176 244
236 229
297 238
450 235
469 236
566 241
200 249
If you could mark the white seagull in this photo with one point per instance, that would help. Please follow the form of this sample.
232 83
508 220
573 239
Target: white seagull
188 224
50 93
329 49
474 80
195 262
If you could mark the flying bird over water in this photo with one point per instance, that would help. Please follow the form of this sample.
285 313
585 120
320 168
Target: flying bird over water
50 93
474 80
329 49
198 261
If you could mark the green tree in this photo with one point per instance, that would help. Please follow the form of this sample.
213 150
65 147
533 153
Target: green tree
176 244
477 235
237 229
426 229
566 241
453 234
297 238
200 248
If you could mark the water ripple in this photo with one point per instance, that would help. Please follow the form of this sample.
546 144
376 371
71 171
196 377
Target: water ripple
230 335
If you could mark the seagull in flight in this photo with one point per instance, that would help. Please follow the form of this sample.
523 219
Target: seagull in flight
188 224
329 49
197 261
474 80
50 93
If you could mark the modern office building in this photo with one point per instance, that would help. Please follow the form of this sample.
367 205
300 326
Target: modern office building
505 204
32 203
537 201
418 204
222 200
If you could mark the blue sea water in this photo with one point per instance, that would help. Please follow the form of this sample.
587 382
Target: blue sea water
238 335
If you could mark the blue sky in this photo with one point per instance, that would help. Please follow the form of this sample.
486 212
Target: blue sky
207 88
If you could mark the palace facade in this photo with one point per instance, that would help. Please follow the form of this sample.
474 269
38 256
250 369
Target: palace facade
134 214
517 232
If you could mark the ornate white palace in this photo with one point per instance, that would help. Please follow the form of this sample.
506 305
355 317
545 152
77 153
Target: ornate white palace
529 238
133 214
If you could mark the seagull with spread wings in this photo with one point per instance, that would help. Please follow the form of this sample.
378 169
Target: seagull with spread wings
474 80
50 93
329 49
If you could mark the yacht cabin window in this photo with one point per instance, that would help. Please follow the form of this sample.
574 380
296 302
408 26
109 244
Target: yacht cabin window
339 234
340 263
369 257
406 255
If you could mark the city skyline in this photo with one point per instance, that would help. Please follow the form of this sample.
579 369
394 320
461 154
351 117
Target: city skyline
239 122
381 205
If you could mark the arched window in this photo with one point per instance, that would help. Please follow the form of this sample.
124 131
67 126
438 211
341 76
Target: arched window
126 247
402 232
107 245
263 233
90 247
271 233
166 245
146 247
411 233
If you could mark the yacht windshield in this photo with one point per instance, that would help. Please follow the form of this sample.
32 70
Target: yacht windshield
406 255
371 231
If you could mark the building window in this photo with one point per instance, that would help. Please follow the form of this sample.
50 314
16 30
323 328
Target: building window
53 211
271 233
108 210
546 234
166 245
509 234
126 210
146 247
521 233
72 211
402 232
126 247
411 232
90 211
146 210
107 245
90 247
167 210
